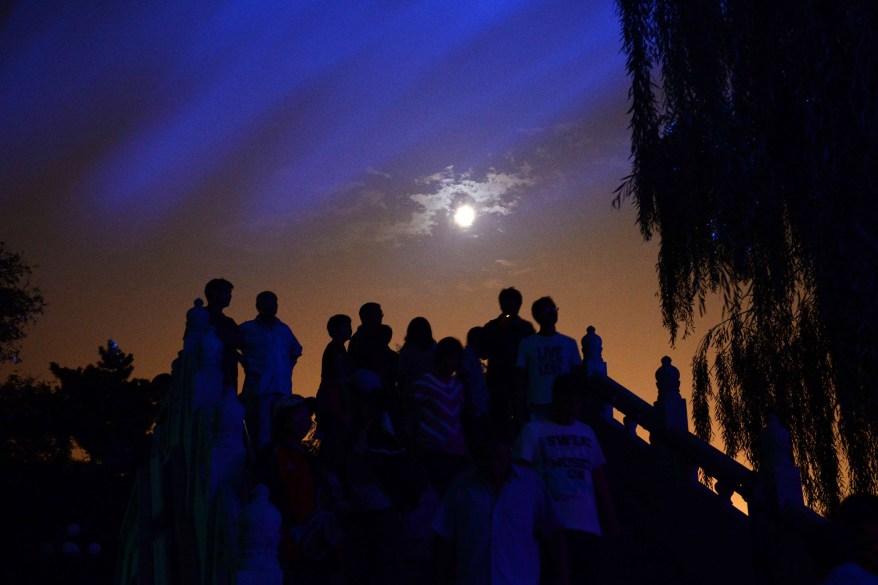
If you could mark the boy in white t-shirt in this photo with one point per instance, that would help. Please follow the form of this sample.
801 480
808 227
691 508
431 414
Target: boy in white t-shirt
544 356
565 452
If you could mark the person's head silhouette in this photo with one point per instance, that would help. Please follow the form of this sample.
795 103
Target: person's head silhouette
371 314
339 327
510 301
218 293
545 312
266 304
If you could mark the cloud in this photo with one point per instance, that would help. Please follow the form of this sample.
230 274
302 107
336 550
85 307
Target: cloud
378 173
509 268
493 284
561 164
492 277
496 194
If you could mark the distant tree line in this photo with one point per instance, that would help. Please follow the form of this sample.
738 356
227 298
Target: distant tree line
69 449
20 302
97 413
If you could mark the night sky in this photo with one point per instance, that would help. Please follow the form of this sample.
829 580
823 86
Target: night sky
320 150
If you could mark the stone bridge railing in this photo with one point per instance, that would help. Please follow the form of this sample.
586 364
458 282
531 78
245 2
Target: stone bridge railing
774 495
190 513
190 520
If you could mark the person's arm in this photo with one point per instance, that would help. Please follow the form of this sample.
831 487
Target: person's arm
241 356
339 366
295 350
605 501
575 357
231 334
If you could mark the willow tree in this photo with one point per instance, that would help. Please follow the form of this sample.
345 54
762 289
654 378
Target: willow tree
754 129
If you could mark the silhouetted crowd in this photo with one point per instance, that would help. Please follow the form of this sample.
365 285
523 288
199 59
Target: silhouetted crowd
443 463
437 463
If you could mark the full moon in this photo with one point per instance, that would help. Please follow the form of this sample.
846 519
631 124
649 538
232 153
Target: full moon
464 216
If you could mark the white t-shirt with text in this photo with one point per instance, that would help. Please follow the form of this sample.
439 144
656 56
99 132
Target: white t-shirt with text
564 456
543 358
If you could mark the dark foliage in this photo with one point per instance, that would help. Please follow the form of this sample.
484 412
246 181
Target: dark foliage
33 424
20 303
46 480
754 140
110 414
52 483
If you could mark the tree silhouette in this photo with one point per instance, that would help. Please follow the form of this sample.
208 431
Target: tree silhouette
33 424
20 303
109 413
754 131
100 408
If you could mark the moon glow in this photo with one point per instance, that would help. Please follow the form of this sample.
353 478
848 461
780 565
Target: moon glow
464 216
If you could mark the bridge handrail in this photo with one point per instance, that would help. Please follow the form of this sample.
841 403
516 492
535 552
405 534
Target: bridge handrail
729 473
199 456
777 487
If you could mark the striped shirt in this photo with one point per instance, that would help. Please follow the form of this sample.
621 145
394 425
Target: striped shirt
438 405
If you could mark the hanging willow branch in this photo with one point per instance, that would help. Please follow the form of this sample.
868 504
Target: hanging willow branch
754 139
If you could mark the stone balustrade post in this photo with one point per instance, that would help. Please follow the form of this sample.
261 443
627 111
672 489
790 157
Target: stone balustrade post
260 533
208 386
777 550
205 350
670 406
592 349
228 457
671 418
779 478
221 464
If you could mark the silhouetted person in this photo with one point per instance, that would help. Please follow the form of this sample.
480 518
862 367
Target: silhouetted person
544 356
367 337
437 401
218 293
333 399
300 491
471 374
335 364
385 362
501 337
856 527
416 354
270 354
373 547
566 454
492 521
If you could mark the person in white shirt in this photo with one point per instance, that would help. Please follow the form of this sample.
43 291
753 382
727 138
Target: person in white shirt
544 356
565 452
492 520
270 354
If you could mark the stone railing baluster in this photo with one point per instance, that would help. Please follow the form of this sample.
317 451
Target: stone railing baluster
260 536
